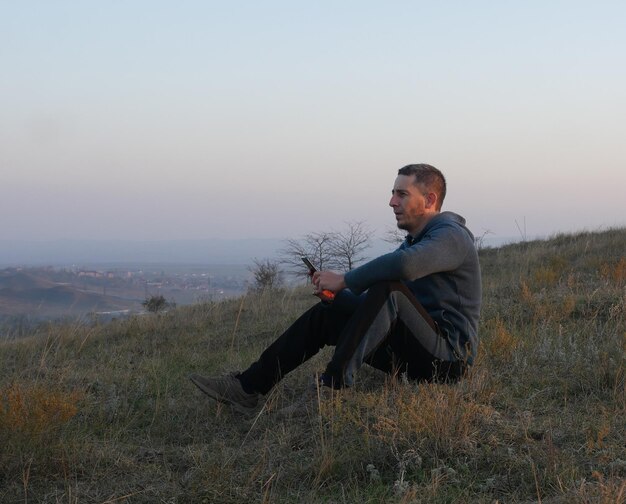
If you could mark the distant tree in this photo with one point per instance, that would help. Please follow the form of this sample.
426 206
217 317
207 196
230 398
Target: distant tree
394 236
267 274
155 304
347 246
316 246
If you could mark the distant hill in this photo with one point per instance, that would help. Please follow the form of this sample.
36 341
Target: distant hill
33 294
23 281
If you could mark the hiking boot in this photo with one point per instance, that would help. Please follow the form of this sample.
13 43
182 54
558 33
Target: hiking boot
227 389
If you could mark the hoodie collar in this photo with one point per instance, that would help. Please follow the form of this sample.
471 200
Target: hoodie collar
442 216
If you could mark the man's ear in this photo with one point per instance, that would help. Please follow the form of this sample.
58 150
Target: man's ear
431 201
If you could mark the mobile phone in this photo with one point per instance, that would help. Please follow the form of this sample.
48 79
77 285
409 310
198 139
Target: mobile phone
325 295
309 264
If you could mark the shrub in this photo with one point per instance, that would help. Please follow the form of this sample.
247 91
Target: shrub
267 275
33 410
155 304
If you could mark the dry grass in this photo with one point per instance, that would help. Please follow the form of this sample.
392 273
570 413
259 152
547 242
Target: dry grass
106 413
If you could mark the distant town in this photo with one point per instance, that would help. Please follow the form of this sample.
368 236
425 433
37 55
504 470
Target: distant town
183 284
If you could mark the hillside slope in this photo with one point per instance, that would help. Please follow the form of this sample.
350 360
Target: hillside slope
23 281
106 413
27 293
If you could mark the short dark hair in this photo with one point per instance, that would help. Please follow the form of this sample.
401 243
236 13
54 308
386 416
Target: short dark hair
429 176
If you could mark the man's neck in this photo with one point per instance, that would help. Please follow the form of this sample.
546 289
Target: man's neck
427 218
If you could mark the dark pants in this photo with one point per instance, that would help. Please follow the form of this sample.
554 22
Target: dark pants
388 329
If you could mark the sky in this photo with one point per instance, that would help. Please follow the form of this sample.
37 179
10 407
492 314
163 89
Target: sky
153 120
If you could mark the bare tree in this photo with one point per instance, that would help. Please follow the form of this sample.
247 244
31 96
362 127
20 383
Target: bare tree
315 246
291 255
394 236
347 246
267 274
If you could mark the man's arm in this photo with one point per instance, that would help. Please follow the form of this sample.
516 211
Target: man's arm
442 249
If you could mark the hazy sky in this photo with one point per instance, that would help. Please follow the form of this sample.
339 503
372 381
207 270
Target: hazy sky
195 119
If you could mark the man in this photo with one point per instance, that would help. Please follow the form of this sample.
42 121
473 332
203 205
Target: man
413 311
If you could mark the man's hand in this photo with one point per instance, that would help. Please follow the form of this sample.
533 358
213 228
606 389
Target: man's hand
327 281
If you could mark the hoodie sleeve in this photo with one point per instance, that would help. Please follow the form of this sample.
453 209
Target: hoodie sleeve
442 248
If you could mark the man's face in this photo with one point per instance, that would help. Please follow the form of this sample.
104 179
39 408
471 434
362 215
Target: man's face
412 205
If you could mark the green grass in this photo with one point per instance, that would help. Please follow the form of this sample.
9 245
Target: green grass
107 414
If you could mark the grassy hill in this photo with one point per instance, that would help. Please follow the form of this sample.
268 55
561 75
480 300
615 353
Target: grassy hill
106 413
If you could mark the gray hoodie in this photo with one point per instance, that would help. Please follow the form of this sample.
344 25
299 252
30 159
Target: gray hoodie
440 266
